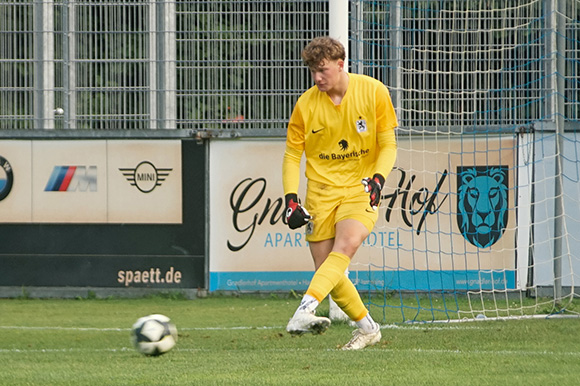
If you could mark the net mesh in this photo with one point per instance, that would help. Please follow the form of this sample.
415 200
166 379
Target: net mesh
479 217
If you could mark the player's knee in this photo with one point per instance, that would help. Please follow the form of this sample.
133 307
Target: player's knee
347 246
349 243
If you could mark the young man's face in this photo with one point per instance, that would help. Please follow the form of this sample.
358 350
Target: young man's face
327 74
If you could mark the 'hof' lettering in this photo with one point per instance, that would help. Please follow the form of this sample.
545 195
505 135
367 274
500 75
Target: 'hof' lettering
423 202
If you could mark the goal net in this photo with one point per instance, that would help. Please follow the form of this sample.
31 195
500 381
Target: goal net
480 218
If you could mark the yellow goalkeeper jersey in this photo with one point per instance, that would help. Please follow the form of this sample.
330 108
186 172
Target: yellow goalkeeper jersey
340 141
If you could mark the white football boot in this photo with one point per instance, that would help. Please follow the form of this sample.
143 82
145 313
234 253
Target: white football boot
304 321
361 340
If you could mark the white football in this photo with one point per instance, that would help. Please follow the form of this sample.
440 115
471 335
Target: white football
154 335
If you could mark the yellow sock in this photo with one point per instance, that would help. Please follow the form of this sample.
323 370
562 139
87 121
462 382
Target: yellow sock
327 275
347 297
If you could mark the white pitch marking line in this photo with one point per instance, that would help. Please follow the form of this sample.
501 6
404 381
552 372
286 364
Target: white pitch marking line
430 327
416 351
41 328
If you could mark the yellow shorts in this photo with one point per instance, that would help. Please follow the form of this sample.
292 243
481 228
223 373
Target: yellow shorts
329 204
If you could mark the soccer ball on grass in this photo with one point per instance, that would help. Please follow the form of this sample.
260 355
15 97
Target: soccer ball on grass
154 335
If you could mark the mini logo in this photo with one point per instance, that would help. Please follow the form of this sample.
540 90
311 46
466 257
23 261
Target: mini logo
72 178
146 176
317 131
343 144
361 125
6 178
482 203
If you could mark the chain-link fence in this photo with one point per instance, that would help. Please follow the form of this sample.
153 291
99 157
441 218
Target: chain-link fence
136 64
108 65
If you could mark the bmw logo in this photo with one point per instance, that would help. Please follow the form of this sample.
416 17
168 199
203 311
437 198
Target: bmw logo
6 178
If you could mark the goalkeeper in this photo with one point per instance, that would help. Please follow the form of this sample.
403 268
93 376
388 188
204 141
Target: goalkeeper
345 126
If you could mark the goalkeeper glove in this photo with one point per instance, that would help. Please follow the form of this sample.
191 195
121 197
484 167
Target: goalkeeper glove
373 186
296 214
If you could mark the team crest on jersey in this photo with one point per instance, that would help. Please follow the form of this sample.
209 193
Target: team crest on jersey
482 203
361 126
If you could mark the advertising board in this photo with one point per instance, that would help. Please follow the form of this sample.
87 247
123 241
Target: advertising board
427 235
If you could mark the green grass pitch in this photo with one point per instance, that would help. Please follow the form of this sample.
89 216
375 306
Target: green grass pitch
241 340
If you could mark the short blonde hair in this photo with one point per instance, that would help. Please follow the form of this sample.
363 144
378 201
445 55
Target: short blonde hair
322 48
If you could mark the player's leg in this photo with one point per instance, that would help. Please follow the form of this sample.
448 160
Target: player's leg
331 258
335 313
304 319
330 272
348 298
349 235
330 269
320 251
320 236
354 224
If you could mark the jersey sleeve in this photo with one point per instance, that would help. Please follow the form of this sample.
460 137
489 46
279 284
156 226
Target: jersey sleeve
387 152
291 170
293 153
386 117
295 134
386 124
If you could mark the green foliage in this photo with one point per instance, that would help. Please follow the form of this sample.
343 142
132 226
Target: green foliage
241 340
24 293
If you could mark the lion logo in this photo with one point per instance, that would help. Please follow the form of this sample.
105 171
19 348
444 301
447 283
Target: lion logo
343 144
482 203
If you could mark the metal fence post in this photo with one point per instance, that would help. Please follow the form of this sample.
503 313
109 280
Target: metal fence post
43 64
